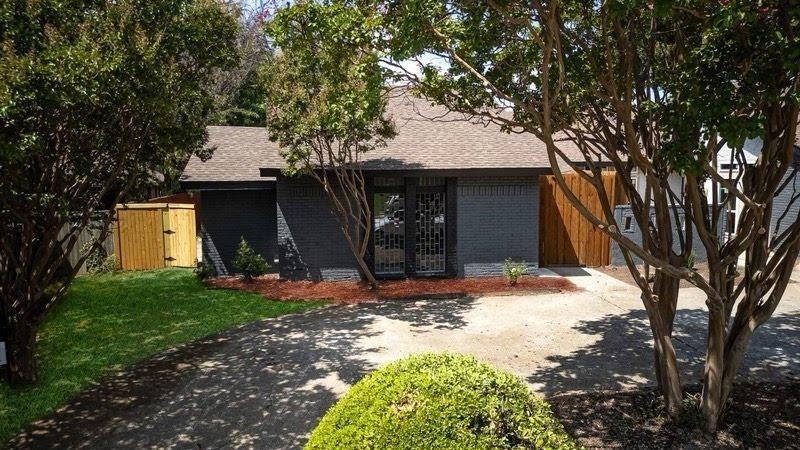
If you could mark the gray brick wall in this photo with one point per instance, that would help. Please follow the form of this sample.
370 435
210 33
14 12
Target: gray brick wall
310 241
226 216
498 218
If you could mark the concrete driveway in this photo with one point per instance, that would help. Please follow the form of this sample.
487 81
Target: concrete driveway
266 384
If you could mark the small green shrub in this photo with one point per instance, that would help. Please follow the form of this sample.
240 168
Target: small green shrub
513 270
98 260
248 262
439 401
691 259
204 270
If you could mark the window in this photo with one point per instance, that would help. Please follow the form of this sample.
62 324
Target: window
627 223
635 177
730 212
389 233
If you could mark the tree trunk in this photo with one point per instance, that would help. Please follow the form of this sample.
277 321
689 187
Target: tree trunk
711 402
362 263
20 353
735 348
666 288
665 361
667 375
367 273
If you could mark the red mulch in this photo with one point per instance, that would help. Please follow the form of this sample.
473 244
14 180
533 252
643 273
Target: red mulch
354 292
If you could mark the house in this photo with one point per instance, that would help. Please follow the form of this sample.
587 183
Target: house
785 207
451 198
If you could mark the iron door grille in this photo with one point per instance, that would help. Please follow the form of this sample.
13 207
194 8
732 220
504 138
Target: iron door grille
389 233
430 233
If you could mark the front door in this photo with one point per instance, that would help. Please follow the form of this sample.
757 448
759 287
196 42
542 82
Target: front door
389 234
416 247
430 233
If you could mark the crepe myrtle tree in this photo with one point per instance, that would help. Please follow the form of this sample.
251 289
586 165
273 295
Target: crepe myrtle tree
657 86
325 102
94 96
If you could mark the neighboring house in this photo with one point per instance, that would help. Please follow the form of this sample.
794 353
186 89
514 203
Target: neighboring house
785 208
451 198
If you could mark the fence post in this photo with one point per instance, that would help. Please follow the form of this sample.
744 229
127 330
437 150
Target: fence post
166 230
116 236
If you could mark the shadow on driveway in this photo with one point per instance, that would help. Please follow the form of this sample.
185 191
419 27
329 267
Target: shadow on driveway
266 384
262 385
622 356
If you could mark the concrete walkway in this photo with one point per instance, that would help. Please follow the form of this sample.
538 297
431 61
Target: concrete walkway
266 384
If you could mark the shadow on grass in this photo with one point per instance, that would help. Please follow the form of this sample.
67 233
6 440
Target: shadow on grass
262 385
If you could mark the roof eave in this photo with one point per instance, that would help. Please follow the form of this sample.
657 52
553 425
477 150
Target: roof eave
216 185
482 171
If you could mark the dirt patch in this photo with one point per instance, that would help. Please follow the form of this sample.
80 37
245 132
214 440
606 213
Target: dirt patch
761 415
354 292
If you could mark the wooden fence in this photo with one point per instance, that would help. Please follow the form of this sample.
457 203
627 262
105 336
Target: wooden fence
155 235
565 236
89 234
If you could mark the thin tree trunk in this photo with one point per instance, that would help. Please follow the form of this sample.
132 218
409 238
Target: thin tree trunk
665 361
735 348
359 256
362 263
373 282
666 288
21 347
711 402
667 375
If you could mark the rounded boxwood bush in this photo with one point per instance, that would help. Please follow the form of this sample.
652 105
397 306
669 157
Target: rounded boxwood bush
439 401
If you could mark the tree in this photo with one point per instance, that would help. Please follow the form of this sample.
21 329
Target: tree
657 86
325 102
94 97
243 105
239 91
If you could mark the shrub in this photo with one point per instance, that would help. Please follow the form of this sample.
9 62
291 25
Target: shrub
513 270
439 401
248 262
98 260
691 259
204 270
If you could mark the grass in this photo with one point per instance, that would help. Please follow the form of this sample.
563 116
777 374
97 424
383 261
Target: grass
109 322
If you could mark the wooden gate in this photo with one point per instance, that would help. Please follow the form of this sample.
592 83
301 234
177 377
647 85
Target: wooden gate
565 236
155 235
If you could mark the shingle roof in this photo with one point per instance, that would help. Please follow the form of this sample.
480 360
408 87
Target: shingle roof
428 137
239 153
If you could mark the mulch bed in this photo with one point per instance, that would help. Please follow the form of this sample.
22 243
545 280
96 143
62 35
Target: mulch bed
354 292
761 415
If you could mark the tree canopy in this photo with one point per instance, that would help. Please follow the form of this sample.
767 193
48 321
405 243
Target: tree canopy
325 102
94 97
326 83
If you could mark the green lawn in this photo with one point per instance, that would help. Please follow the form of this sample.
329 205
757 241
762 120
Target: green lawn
108 322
